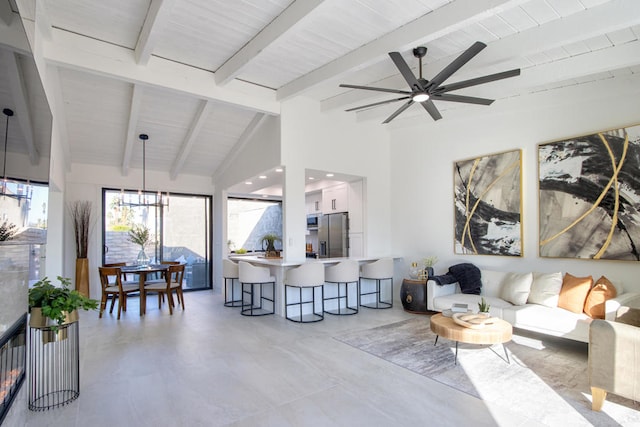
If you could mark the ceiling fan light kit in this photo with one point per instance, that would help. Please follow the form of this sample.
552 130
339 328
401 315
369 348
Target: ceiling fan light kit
420 97
424 92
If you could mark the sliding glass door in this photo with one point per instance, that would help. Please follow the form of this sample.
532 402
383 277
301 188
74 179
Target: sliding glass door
179 229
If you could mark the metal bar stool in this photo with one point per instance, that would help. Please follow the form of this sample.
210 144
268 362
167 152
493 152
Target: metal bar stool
231 276
254 280
342 277
379 271
307 277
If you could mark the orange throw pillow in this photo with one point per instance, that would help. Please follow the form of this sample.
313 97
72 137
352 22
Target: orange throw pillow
574 292
601 291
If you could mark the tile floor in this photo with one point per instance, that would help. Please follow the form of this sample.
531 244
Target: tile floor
210 366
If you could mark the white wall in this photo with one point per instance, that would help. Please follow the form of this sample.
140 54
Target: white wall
422 169
334 142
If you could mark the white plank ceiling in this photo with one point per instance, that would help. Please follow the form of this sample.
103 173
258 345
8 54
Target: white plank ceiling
194 74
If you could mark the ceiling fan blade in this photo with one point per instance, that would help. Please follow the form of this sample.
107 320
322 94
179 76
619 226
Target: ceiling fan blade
398 111
378 103
461 98
406 72
378 89
456 64
431 109
479 80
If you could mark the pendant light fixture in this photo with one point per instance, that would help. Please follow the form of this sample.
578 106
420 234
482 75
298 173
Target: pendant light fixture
20 191
144 198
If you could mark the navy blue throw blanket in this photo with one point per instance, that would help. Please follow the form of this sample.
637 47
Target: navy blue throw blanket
444 279
468 276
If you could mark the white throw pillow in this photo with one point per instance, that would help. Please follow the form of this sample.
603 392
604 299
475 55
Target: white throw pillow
516 287
545 289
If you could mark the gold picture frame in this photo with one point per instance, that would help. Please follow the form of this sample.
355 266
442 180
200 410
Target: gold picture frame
488 205
589 193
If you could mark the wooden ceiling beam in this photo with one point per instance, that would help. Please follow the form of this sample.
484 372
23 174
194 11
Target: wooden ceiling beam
156 19
76 52
431 26
275 29
602 19
194 130
134 114
248 132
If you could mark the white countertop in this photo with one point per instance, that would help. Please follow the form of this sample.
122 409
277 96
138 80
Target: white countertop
279 262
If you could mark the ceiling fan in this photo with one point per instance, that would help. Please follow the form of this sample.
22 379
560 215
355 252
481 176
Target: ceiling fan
425 92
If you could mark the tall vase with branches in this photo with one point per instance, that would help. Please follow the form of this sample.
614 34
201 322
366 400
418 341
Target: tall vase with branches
80 211
140 235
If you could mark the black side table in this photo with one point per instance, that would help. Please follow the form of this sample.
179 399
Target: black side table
413 294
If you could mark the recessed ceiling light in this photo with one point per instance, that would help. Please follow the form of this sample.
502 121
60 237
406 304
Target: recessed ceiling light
263 177
311 178
248 182
279 170
329 175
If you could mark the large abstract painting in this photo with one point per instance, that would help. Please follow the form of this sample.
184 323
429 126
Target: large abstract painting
488 205
590 196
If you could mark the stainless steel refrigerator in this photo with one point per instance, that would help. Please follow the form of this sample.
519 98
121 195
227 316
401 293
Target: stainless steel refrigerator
333 235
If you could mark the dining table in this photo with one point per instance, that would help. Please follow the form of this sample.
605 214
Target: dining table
143 271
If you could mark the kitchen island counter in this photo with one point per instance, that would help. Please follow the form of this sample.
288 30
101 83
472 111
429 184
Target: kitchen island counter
262 260
279 266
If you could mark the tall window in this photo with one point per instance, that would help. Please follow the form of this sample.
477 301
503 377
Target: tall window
23 220
248 220
179 231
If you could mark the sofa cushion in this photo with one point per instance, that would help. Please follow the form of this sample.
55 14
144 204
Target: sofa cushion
516 287
468 276
545 289
574 292
492 282
598 295
551 321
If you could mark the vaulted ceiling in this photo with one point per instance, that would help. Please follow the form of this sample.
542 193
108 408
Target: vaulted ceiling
199 76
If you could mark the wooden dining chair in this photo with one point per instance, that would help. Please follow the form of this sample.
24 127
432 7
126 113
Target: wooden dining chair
123 275
161 279
173 282
113 287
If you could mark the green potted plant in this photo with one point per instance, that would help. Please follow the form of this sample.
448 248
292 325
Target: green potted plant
483 306
139 234
270 250
53 306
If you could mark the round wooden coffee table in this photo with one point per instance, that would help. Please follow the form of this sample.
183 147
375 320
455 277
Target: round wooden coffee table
498 332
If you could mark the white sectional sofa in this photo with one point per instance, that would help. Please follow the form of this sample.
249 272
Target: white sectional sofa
550 320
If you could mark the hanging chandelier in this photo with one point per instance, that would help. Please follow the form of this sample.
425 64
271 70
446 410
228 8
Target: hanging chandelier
11 188
144 198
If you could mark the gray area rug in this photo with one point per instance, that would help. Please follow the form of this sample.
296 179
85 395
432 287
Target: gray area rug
546 381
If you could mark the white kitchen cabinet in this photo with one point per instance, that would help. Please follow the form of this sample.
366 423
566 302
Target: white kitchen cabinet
356 244
313 202
355 207
335 199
